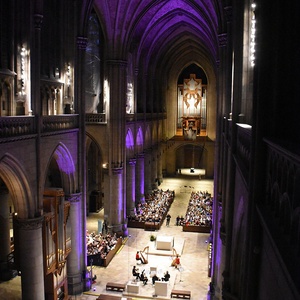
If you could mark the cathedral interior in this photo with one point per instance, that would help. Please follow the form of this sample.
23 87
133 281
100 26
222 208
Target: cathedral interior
109 98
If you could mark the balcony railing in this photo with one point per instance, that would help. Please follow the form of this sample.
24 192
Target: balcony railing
25 125
61 122
95 118
16 126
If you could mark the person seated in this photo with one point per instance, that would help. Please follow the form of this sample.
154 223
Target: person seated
144 278
138 257
166 276
155 278
135 273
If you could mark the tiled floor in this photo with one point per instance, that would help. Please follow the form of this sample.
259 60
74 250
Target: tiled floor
194 259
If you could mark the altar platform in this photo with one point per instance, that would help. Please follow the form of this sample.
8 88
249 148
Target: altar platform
178 246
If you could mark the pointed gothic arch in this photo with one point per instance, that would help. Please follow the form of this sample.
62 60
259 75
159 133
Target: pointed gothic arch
62 160
139 140
17 183
129 144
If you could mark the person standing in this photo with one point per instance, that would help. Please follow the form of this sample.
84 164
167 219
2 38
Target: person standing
104 228
168 219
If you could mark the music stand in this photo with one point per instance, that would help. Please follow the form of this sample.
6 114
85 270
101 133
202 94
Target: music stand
180 269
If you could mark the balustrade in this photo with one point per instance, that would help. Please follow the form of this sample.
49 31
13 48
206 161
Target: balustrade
25 125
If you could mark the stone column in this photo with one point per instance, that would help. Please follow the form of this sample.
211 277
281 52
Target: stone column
116 213
4 225
78 200
77 282
159 165
147 171
140 176
154 177
29 243
116 96
35 53
130 187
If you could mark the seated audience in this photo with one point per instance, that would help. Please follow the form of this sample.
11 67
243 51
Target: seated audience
199 212
100 244
155 207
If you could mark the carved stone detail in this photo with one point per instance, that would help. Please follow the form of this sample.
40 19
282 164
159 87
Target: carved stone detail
29 224
73 198
222 39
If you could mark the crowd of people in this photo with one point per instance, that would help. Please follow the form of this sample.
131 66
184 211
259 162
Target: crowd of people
199 211
155 207
100 243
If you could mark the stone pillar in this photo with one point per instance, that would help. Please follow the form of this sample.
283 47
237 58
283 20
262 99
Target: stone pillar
29 242
116 213
78 200
159 166
35 66
77 282
147 172
140 177
4 225
130 187
154 177
116 96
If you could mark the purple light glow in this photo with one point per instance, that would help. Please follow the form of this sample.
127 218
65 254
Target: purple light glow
129 140
64 160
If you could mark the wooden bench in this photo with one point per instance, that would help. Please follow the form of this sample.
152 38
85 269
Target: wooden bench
181 294
113 286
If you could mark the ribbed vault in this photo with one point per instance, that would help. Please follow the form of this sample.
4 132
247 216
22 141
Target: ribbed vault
163 37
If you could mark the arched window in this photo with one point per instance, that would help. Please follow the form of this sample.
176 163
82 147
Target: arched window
93 82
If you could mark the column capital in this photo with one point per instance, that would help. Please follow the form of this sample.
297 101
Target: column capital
131 161
73 198
117 171
29 224
140 155
222 39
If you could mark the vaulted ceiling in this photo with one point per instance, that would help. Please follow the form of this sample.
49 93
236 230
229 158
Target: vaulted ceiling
161 32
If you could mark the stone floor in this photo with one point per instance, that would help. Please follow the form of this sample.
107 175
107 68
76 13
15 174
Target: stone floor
193 274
